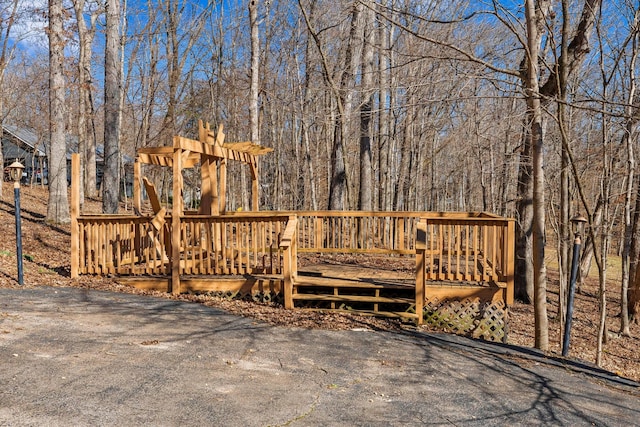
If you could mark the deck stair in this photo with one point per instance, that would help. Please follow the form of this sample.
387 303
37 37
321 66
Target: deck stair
379 296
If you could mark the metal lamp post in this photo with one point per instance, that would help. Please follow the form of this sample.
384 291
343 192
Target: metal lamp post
15 172
577 225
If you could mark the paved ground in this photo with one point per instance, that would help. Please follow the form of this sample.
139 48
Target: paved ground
77 357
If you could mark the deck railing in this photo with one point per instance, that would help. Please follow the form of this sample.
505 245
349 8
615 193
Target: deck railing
356 232
457 246
457 249
231 245
365 232
449 247
120 244
133 245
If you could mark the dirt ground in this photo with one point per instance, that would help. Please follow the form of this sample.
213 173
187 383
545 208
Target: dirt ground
46 252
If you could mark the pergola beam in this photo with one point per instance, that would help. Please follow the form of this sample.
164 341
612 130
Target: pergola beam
212 153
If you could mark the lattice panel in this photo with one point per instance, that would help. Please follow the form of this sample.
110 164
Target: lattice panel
469 317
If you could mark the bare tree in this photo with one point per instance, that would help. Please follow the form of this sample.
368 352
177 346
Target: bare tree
8 11
305 120
630 133
254 125
366 162
342 93
86 126
58 206
534 114
112 94
255 71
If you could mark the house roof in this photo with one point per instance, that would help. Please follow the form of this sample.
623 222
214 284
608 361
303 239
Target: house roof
72 147
27 140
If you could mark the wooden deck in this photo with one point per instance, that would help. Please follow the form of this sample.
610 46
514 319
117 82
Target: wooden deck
445 255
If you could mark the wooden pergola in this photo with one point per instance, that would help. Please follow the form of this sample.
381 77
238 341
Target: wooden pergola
212 153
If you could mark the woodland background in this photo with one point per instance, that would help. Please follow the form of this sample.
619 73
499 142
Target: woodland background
524 109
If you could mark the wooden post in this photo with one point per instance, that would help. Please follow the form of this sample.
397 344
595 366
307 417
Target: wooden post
401 236
213 177
206 196
288 282
206 190
255 188
137 196
290 267
175 221
75 211
255 196
220 198
319 234
421 246
212 174
294 250
509 265
223 186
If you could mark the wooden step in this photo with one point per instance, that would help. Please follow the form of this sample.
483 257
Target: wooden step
324 282
402 314
352 298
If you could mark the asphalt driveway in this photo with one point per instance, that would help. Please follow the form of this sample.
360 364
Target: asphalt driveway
78 357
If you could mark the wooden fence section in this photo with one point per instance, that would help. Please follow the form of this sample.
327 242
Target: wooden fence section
231 245
356 232
120 245
364 232
133 245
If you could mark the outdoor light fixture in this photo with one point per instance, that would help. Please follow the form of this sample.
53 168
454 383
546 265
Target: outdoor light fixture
577 226
15 172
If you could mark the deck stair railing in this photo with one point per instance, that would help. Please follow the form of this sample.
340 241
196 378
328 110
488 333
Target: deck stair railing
465 250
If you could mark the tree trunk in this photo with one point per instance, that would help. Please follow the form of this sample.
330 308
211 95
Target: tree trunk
366 173
628 231
255 75
6 54
111 169
255 71
633 294
58 207
535 116
628 142
338 187
404 168
310 175
86 128
384 140
524 207
564 230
